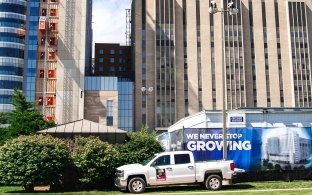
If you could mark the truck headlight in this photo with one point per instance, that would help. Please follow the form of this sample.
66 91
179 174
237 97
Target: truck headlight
119 173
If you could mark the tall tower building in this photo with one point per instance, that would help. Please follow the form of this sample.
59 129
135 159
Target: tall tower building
179 50
63 52
12 45
44 51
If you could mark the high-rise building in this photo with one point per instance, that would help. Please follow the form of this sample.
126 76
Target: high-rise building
63 53
12 45
179 49
44 51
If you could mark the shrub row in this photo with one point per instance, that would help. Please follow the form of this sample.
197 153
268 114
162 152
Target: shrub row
85 161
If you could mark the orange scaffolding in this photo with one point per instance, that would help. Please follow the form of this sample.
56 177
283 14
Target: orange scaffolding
47 58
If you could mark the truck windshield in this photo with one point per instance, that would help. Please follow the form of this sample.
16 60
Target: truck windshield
148 160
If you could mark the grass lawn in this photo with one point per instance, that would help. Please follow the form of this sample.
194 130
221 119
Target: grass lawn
254 188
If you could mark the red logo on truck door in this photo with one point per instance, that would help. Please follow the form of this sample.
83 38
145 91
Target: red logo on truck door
160 174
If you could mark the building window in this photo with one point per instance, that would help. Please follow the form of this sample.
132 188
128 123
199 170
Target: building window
41 73
109 114
53 12
112 60
42 40
101 59
43 12
52 40
40 101
51 55
51 74
52 26
50 101
101 51
112 51
42 55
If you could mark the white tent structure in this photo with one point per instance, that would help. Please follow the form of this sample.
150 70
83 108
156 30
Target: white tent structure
86 128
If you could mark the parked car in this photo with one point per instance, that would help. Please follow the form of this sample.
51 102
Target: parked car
171 168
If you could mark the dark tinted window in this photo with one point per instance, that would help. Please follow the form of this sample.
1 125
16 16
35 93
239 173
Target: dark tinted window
163 160
182 158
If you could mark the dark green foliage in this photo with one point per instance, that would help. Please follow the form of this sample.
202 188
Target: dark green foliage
19 102
278 167
24 120
32 160
3 118
139 146
270 166
96 160
27 122
4 135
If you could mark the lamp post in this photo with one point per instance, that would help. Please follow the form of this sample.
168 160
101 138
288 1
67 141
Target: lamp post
146 91
232 11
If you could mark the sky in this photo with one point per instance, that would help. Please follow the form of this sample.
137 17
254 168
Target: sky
109 21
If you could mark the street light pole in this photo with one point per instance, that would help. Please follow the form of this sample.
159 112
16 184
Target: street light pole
231 10
224 130
146 91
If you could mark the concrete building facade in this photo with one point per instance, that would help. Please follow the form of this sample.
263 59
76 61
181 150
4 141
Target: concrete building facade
63 53
178 49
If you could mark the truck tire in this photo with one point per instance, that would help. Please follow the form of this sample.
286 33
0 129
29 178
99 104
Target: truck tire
213 182
136 185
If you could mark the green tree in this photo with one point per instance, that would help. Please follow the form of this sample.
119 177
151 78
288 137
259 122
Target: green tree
96 160
25 119
4 135
27 122
278 167
32 160
20 103
139 146
3 118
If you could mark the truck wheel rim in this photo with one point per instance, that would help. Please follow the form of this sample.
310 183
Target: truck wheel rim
136 185
214 183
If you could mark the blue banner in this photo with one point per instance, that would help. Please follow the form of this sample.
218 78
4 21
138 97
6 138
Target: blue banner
252 149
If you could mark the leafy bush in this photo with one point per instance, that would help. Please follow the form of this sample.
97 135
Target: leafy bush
32 160
139 146
96 160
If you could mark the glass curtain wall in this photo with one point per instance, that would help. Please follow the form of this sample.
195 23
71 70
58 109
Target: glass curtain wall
29 86
12 46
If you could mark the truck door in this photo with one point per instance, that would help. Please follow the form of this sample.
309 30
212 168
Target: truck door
183 169
160 171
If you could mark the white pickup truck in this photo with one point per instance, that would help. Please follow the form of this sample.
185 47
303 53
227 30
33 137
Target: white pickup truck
171 168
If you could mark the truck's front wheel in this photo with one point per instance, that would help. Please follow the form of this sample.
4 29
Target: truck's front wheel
136 185
213 182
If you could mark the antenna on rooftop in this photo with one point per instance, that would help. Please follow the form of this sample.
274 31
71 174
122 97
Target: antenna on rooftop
128 27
